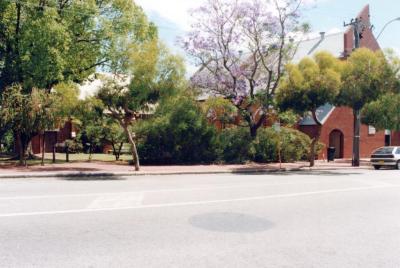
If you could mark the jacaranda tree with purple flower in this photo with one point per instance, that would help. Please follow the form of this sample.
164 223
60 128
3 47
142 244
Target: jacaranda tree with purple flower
241 48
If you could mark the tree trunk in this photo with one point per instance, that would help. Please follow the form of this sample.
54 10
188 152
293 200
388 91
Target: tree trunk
253 131
134 152
20 149
43 147
29 150
118 153
356 138
315 140
90 152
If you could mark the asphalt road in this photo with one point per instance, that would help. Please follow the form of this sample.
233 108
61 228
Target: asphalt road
348 218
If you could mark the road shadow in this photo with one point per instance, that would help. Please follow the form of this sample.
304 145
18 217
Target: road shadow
92 177
228 222
276 172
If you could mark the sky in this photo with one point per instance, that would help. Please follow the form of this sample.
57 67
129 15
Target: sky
173 18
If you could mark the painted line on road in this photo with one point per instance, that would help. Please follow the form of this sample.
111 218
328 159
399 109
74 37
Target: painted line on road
161 190
194 203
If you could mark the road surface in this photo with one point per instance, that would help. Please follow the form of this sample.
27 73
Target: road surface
348 218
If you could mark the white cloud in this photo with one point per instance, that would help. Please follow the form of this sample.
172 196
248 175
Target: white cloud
176 11
173 18
397 50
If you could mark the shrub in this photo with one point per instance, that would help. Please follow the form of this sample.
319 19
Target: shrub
233 145
7 142
179 134
294 145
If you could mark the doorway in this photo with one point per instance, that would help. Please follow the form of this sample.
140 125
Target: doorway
336 140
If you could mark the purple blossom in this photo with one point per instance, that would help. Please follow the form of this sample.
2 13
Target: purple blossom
235 43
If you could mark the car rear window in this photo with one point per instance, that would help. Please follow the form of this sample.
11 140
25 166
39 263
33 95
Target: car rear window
385 150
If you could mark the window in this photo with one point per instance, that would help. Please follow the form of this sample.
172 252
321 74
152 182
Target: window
398 151
384 150
371 130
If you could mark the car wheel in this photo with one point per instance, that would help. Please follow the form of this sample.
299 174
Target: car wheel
377 167
398 164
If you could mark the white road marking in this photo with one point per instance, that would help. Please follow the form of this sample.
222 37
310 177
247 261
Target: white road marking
182 204
163 190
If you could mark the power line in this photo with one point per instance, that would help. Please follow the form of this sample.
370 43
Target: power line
81 13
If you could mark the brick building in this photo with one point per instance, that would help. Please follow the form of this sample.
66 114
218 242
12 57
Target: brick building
52 137
337 122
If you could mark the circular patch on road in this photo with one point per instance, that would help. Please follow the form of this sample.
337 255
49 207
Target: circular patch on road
230 222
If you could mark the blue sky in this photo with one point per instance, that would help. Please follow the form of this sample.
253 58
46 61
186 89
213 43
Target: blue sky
173 18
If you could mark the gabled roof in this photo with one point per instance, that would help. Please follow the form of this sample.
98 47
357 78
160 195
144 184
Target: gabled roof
323 114
333 43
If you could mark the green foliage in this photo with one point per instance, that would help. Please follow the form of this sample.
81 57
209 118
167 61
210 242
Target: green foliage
89 114
293 144
288 118
27 114
178 134
233 145
220 110
365 76
310 84
383 113
67 101
154 74
73 146
43 43
7 142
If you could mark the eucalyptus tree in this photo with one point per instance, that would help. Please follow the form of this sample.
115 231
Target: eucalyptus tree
366 75
28 114
153 74
384 113
309 85
43 43
241 48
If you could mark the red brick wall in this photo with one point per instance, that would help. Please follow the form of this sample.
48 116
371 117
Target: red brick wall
396 138
368 40
342 119
51 138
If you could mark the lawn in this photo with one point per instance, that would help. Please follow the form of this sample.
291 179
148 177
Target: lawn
61 158
85 157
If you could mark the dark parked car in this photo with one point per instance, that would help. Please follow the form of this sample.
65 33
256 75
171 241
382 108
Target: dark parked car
386 156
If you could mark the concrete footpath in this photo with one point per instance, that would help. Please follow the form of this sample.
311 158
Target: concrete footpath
89 169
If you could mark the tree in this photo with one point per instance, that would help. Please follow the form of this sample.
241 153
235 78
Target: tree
366 75
307 86
67 101
27 115
153 74
383 113
241 48
114 134
89 118
43 43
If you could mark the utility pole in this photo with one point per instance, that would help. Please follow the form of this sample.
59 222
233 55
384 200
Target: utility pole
358 26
